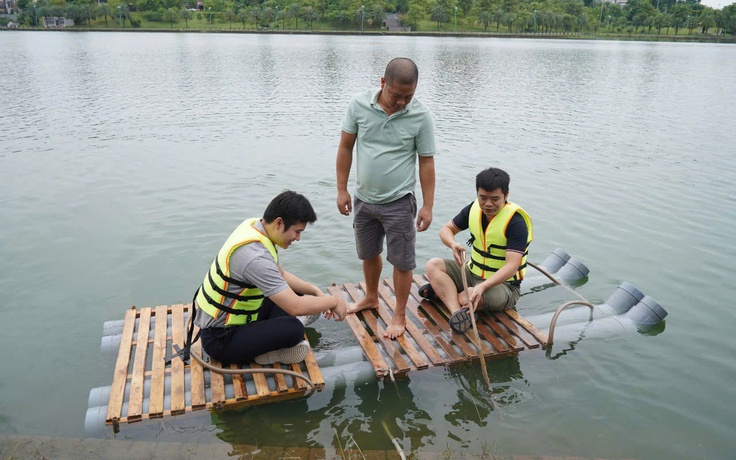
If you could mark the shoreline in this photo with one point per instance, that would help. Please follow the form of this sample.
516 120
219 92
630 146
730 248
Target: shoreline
576 37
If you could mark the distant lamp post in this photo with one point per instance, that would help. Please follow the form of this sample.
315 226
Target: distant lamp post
209 9
534 17
362 17
35 16
455 19
120 16
277 17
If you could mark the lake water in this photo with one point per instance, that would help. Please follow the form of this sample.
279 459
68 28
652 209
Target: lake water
126 159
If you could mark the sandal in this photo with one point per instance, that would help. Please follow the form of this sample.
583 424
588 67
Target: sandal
460 321
426 292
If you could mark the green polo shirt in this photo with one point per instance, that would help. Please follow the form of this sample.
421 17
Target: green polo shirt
387 146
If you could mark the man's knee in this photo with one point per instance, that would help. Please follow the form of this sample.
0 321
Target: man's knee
434 265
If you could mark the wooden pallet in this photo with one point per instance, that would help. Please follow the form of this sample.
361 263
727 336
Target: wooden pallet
141 359
429 341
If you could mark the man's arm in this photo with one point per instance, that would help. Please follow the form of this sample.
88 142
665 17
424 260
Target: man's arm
299 286
296 305
426 179
447 236
343 164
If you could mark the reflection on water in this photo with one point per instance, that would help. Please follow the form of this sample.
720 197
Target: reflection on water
128 158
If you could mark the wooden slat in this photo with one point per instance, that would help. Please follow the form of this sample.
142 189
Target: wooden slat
539 335
490 336
135 400
120 375
433 309
158 365
260 381
280 380
217 386
196 374
517 330
238 384
411 328
369 316
299 384
435 331
490 320
178 403
364 339
315 375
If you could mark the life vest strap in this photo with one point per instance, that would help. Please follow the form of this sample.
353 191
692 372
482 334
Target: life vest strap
230 295
230 280
229 310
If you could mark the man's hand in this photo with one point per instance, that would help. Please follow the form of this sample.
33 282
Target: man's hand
475 295
424 218
338 313
458 252
344 203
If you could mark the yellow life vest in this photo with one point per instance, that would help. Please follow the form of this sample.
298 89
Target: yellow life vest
489 248
213 296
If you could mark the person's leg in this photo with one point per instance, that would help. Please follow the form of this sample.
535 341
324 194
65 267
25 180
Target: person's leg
442 274
397 218
501 297
275 329
369 235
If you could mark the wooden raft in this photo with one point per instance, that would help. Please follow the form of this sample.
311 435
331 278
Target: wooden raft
143 361
429 340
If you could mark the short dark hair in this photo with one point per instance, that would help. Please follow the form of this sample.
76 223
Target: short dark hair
492 178
401 70
292 207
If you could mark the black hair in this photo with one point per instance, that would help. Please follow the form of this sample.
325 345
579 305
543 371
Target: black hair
402 71
492 178
292 207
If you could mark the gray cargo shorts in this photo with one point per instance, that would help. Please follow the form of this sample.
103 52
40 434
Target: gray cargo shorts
395 221
498 298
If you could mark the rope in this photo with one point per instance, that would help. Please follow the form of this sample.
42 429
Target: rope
475 327
269 370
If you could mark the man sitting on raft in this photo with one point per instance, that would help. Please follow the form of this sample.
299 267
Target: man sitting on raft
500 235
247 305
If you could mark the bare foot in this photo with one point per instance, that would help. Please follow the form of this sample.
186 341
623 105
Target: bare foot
364 304
396 328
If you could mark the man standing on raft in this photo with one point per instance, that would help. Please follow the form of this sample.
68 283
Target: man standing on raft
391 130
500 233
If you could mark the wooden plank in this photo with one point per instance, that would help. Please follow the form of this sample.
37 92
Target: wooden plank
424 319
490 320
539 335
260 381
196 373
422 341
369 316
440 314
238 384
120 375
365 341
135 399
158 365
178 403
280 380
315 375
299 384
518 331
385 291
217 386
490 336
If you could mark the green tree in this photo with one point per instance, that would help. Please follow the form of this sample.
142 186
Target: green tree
186 15
171 15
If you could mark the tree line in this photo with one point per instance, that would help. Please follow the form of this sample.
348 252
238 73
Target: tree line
498 16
